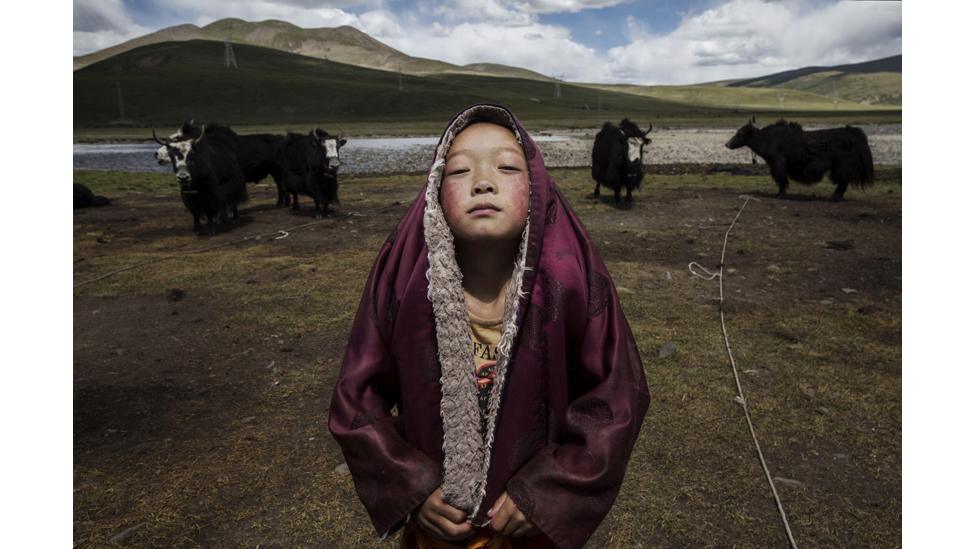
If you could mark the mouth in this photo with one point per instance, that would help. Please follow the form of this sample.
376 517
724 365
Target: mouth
484 207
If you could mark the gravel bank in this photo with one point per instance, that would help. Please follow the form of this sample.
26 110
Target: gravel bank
668 146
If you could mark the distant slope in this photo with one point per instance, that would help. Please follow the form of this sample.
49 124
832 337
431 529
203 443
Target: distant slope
887 64
871 82
495 69
163 84
745 98
340 44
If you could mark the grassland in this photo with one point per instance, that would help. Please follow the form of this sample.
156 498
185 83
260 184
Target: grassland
200 417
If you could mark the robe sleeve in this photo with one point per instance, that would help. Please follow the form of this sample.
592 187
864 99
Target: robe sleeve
568 488
392 477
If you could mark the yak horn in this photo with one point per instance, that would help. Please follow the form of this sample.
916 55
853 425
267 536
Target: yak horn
203 131
165 144
649 127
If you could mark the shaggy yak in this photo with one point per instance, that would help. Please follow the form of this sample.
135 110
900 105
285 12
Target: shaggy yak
208 175
618 158
805 156
310 166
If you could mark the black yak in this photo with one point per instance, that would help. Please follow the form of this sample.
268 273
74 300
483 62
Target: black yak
310 166
618 158
805 156
208 175
84 198
257 154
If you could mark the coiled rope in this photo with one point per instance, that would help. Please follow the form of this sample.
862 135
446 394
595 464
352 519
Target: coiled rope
740 397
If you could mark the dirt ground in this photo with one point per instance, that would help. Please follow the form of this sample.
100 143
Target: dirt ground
202 380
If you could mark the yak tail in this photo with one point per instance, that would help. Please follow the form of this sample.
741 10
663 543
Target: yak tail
866 160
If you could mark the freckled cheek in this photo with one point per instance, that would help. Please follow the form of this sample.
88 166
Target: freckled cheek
520 197
450 199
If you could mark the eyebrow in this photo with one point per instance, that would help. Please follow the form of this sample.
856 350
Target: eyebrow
503 148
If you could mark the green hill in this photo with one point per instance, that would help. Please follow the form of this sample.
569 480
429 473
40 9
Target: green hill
747 98
169 82
871 82
340 44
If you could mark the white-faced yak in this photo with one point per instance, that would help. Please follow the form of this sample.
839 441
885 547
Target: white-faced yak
208 175
805 156
310 166
257 154
618 158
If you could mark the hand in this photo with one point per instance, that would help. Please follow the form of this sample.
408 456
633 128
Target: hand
443 520
507 520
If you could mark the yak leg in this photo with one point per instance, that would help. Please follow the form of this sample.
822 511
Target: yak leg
780 176
839 191
596 190
211 226
294 202
616 195
196 224
233 209
630 199
283 198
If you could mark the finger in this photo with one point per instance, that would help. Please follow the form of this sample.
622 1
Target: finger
451 531
503 515
498 503
429 527
516 521
450 512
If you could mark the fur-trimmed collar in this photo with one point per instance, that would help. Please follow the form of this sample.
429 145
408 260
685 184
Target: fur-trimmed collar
466 454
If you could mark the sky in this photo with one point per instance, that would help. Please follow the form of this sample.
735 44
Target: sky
661 42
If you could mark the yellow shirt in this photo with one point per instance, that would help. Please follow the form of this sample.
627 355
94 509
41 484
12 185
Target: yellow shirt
485 334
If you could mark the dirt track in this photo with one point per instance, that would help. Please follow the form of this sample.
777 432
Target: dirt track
200 414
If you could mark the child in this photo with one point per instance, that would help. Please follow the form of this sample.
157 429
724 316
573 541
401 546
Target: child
492 325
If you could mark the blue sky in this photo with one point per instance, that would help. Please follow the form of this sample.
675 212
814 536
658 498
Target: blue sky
662 42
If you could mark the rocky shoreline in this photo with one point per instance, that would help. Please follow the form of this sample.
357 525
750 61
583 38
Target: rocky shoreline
668 146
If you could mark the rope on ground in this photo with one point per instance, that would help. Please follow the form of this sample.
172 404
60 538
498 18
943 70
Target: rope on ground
278 235
740 397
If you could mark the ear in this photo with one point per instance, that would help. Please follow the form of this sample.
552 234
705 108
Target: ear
342 142
753 121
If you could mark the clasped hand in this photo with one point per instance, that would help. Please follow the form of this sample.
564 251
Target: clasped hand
450 523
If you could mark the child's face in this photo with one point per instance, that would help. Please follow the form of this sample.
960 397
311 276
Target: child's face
485 190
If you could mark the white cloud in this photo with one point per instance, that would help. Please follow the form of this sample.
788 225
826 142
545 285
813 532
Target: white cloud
204 12
744 38
734 39
498 12
380 23
559 6
99 24
546 49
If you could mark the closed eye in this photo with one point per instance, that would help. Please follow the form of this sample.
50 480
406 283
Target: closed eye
458 171
510 168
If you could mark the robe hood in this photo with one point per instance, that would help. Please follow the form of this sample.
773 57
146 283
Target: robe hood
569 393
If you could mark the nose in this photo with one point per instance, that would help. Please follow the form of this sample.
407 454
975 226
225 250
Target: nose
483 186
728 144
182 177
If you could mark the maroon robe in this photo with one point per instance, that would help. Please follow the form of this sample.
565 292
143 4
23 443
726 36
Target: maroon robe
569 394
